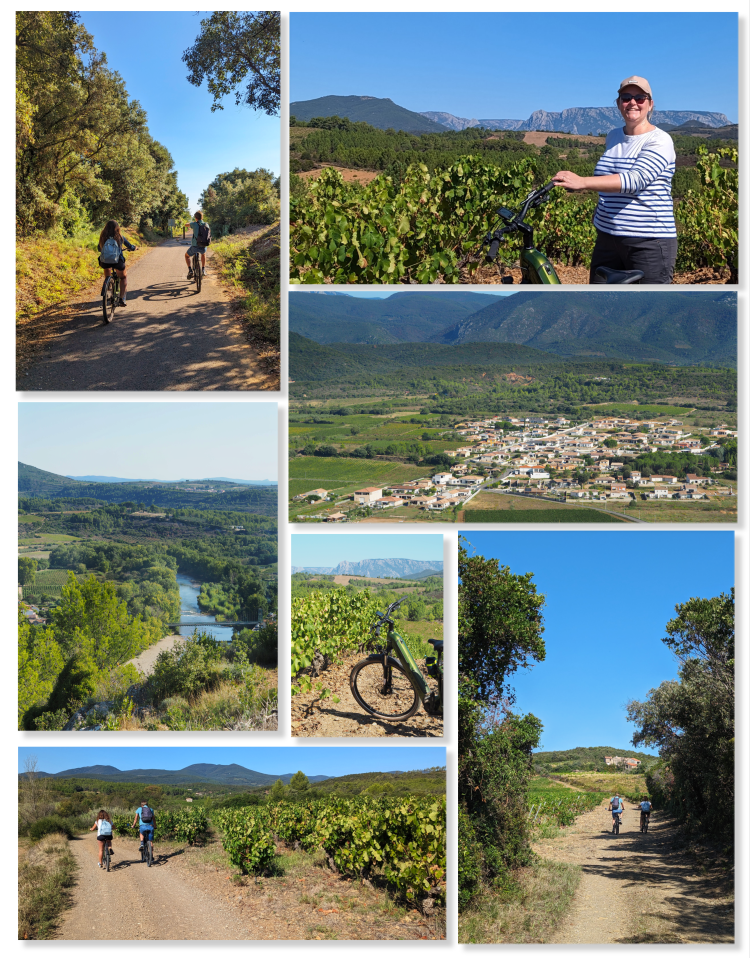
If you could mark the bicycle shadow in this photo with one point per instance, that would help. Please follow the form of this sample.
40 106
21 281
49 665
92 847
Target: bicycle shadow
402 729
160 858
168 292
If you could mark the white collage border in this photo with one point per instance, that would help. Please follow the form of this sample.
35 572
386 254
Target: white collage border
8 426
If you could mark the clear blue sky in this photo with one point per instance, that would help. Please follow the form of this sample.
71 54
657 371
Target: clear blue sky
609 597
505 65
328 549
150 440
273 760
146 49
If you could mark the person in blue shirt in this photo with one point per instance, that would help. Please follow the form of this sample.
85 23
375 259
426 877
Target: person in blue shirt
616 806
646 808
146 816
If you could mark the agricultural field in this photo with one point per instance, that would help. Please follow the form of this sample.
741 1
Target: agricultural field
401 841
630 784
551 803
572 514
40 540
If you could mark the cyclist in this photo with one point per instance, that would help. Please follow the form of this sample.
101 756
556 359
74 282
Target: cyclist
616 807
646 808
103 826
196 247
111 242
147 818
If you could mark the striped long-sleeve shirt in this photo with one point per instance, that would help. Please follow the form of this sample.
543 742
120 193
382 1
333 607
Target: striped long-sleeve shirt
643 207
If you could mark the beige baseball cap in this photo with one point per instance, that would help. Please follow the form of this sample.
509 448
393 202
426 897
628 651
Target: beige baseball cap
636 81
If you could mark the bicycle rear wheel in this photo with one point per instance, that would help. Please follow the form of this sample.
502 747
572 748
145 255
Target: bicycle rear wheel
197 271
383 690
106 856
150 854
109 299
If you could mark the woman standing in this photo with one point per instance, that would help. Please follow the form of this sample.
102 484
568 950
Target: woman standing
103 826
634 220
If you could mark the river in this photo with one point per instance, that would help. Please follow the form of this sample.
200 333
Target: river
191 615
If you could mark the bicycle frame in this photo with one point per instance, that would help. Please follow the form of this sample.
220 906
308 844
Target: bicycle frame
394 643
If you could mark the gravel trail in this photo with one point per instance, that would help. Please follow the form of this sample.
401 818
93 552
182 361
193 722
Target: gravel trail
133 902
146 660
168 337
638 888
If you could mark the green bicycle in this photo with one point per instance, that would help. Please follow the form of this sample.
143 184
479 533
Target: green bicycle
392 688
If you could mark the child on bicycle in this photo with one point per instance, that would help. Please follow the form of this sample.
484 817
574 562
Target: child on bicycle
103 825
147 818
111 242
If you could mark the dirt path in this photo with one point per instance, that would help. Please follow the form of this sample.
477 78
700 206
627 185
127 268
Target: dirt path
167 337
345 718
145 661
189 894
638 888
134 902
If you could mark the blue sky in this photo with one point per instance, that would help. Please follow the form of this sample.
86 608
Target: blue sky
146 49
329 549
505 65
150 440
609 596
269 760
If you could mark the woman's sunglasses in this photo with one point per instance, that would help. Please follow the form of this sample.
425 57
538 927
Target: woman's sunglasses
638 97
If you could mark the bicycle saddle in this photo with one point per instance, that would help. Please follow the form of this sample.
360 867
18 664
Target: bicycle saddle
437 644
604 274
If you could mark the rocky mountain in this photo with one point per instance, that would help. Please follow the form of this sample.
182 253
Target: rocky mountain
376 568
674 327
581 120
201 772
382 113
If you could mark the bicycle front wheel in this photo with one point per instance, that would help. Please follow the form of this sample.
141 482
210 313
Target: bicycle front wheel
384 690
198 273
109 300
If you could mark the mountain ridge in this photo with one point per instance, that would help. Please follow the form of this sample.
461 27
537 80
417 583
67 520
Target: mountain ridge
200 772
394 568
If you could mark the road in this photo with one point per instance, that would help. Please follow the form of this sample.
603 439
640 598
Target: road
168 337
147 659
133 902
638 888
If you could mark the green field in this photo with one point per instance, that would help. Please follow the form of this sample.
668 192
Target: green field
539 515
31 519
54 537
627 409
344 476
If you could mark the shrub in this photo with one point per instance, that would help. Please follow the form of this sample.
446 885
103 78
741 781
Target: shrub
48 826
188 668
262 646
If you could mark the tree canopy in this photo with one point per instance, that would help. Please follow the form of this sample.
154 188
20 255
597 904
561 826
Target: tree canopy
239 51
83 150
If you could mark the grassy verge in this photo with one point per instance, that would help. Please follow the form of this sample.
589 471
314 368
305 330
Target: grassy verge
230 706
525 913
249 267
45 872
49 272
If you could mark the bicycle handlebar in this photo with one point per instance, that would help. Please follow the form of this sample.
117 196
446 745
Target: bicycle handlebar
384 616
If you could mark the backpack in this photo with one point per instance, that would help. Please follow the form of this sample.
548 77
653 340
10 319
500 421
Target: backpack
111 252
204 234
147 815
105 827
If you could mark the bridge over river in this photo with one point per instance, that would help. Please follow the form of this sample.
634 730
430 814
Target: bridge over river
198 623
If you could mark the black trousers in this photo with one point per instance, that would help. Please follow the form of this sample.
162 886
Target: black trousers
655 255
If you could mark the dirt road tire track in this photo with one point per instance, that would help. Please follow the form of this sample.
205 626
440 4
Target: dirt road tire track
133 902
637 888
168 337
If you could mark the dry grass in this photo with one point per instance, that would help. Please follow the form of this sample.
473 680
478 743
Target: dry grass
45 872
524 914
229 707
249 268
